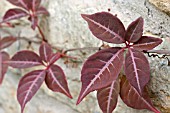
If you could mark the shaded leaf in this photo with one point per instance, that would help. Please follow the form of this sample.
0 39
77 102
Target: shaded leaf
100 70
3 66
137 69
6 42
34 21
147 43
45 51
13 14
56 80
135 30
42 10
132 98
25 59
107 97
28 86
106 27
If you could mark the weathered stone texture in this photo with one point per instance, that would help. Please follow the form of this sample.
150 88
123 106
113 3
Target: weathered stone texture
66 29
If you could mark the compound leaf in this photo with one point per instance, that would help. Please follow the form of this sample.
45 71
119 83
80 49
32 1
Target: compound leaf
100 70
25 59
137 69
106 27
132 98
107 97
56 80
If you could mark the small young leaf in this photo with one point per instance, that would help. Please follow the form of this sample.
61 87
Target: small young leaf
3 66
100 70
6 42
56 80
54 58
108 96
137 69
25 59
45 51
147 43
42 10
13 14
135 30
28 86
132 98
106 27
34 21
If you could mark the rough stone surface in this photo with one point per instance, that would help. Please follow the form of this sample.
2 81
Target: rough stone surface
66 29
163 5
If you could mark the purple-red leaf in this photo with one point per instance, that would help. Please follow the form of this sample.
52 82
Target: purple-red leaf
108 96
19 3
13 14
42 10
147 43
137 69
135 30
28 86
56 80
3 66
132 98
25 59
6 42
45 51
106 27
54 58
33 4
100 70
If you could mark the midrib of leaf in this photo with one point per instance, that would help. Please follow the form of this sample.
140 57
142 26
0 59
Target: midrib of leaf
45 53
101 71
134 31
110 96
31 87
106 29
57 81
135 70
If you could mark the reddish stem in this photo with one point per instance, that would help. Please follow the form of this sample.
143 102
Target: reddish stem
41 33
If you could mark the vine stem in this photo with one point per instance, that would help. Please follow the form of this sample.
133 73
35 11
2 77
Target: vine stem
41 33
83 48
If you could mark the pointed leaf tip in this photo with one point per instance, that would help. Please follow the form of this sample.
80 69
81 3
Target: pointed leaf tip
106 27
135 30
56 80
100 70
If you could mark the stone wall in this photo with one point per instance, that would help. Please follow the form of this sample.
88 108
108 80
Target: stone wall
66 29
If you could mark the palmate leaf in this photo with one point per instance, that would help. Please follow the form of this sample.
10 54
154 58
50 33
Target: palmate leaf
13 14
132 98
137 69
135 30
28 86
107 97
147 43
100 70
3 66
106 27
25 59
56 80
6 42
45 51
